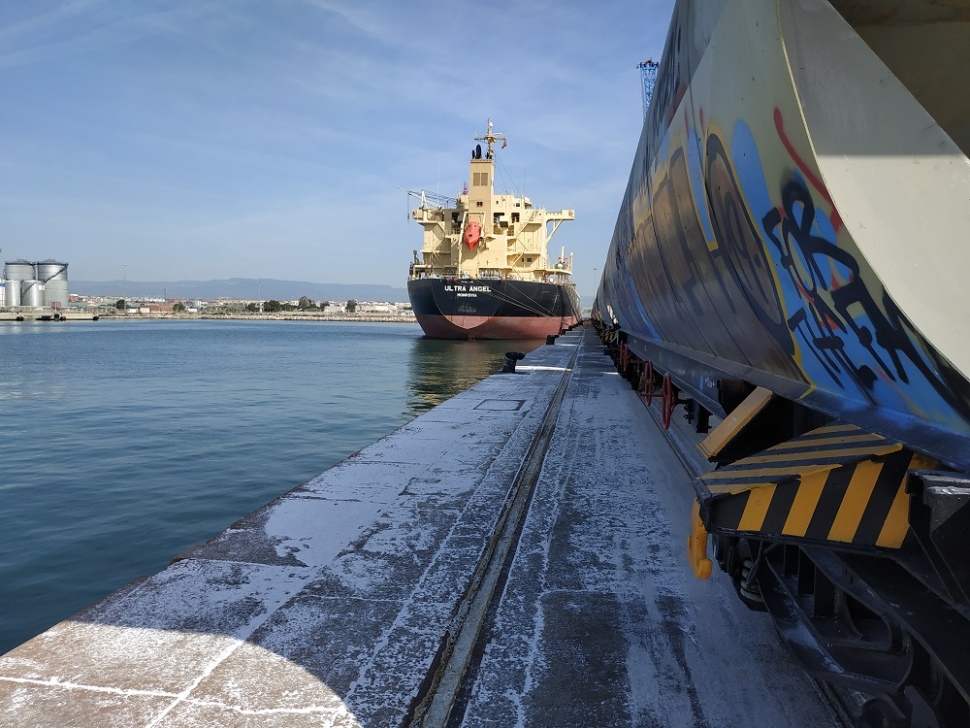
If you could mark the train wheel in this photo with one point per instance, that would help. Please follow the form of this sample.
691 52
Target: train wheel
738 558
879 714
932 700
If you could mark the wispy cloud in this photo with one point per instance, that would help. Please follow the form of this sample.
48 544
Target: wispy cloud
231 124
35 23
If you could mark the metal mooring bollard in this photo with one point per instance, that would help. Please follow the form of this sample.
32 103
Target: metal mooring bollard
508 365
550 339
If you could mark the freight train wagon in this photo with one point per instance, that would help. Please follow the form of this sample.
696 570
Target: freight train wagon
791 256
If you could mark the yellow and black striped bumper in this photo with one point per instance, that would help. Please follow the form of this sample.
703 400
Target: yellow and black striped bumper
834 484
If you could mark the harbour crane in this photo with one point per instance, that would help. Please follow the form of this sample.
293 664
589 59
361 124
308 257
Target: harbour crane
648 78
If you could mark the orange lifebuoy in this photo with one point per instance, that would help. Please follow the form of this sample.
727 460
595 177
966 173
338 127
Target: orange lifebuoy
473 233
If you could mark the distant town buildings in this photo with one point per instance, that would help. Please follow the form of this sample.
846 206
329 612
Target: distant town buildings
40 289
159 307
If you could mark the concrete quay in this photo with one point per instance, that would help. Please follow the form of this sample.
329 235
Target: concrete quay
47 315
514 557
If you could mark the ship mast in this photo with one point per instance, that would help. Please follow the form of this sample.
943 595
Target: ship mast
490 138
481 198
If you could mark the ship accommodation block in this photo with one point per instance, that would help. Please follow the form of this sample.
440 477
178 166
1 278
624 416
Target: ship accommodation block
514 235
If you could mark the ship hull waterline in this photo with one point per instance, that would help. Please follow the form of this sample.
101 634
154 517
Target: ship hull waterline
492 309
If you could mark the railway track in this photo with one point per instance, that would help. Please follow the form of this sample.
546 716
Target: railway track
439 704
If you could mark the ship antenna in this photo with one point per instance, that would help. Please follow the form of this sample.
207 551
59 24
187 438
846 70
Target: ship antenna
490 138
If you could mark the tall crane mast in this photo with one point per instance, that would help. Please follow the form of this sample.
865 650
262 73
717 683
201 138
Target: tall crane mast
648 77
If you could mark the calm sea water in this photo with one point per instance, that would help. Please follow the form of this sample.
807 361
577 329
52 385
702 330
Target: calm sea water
124 443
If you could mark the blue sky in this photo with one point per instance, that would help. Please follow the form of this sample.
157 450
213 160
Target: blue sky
269 139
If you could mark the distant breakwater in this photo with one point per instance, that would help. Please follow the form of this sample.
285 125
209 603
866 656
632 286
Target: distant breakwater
381 318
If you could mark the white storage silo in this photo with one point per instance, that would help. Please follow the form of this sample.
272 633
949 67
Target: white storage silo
12 290
19 270
3 293
32 294
53 274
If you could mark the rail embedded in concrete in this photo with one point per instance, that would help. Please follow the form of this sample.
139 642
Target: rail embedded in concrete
435 707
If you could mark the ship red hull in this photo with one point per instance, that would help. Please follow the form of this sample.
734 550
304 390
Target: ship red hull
492 309
492 327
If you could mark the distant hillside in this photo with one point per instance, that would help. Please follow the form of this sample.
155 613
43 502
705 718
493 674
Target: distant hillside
244 288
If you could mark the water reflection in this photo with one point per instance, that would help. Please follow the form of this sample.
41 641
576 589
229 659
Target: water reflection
35 365
438 370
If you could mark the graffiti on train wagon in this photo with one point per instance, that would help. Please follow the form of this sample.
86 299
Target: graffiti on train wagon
848 336
673 286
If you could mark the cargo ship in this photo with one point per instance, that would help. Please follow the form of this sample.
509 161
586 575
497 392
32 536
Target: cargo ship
484 271
789 263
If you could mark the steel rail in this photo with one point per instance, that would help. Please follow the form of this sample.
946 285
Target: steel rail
451 671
